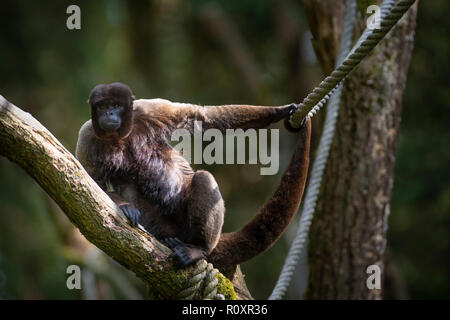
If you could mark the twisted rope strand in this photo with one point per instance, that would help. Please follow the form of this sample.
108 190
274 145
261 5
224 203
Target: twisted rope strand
369 39
204 273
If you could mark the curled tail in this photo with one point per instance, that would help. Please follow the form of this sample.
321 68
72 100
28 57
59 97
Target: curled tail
274 217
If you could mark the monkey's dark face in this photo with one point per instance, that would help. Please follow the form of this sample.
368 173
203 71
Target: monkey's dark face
111 110
109 116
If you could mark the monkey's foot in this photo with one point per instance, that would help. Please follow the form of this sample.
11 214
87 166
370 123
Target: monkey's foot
131 213
172 243
189 254
185 253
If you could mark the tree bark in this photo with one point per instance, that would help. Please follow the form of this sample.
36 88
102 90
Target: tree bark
348 232
26 142
324 19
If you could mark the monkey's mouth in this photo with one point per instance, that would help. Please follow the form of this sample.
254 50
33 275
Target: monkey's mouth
110 125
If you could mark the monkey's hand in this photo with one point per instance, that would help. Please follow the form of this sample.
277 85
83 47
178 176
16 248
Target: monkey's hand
287 124
131 213
285 112
185 253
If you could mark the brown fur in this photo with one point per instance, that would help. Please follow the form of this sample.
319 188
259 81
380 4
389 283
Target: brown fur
138 167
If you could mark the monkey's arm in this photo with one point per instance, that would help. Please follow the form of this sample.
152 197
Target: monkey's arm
181 115
84 155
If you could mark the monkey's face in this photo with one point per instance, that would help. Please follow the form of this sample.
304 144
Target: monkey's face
111 110
109 116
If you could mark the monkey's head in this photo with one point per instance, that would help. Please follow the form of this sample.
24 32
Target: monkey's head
111 110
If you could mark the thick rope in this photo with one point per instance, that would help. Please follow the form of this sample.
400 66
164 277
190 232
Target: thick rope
326 139
204 275
316 99
319 163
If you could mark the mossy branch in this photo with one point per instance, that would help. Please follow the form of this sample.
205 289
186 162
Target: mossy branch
28 143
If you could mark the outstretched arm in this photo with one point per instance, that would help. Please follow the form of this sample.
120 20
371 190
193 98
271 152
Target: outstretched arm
182 115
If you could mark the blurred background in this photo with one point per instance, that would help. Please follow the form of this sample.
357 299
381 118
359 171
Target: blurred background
207 52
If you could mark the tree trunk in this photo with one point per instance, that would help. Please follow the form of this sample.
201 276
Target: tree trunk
348 232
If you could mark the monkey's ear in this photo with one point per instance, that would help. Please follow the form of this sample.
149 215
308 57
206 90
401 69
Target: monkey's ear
133 97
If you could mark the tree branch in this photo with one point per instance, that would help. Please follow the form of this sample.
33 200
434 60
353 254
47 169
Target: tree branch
26 142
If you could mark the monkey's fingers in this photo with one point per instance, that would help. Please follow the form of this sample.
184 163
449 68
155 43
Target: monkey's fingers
289 127
131 213
293 107
284 112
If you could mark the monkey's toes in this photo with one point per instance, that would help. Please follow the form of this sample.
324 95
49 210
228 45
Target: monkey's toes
188 254
172 243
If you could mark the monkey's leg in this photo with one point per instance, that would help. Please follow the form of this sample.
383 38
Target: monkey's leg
204 219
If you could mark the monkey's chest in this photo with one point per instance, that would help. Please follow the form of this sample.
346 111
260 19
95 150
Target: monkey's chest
152 172
153 219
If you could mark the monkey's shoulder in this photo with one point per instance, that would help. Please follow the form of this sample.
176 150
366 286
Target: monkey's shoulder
151 106
85 135
85 142
162 108
86 130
